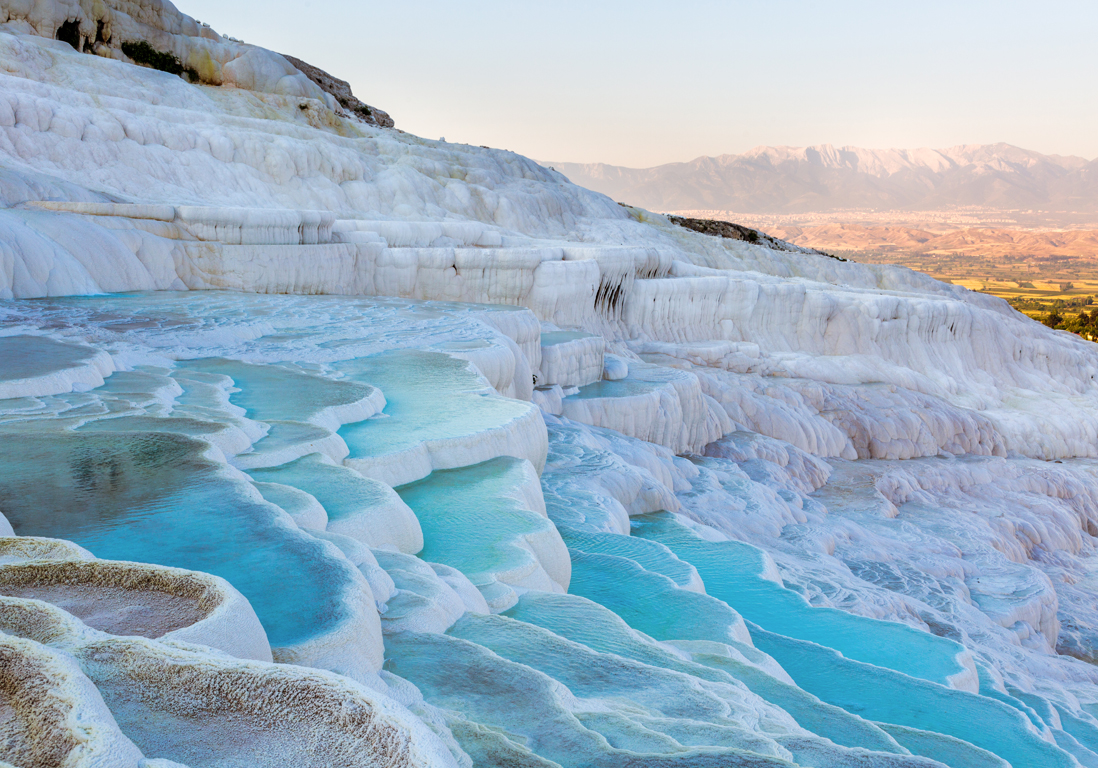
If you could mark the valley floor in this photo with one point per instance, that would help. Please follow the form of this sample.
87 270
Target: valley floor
1044 264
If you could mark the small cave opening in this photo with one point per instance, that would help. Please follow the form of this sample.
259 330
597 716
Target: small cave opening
69 32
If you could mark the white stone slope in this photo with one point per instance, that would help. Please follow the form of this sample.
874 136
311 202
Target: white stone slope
102 28
175 173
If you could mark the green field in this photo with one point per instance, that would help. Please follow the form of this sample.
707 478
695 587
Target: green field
1063 296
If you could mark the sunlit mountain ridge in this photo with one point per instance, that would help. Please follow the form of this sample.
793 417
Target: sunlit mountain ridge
829 178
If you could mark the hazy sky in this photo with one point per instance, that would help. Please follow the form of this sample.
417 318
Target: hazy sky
642 83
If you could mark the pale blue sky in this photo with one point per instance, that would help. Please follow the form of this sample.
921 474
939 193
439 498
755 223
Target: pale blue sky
641 83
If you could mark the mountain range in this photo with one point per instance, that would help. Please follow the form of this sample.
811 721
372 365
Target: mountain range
791 180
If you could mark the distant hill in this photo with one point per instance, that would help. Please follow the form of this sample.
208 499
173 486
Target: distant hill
826 178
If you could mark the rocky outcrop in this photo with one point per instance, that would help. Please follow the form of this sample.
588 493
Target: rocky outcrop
732 231
341 90
153 33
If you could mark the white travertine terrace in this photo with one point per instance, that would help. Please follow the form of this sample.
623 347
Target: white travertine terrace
374 450
140 599
263 714
54 715
571 359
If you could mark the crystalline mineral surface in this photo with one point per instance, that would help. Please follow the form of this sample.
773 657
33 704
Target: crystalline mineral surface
323 444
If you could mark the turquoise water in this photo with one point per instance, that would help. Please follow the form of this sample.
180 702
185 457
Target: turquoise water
283 435
591 624
274 393
642 379
501 709
945 749
621 388
1083 732
140 388
870 687
197 428
651 602
661 702
341 491
732 572
429 395
516 702
472 521
650 555
890 697
560 337
23 357
152 497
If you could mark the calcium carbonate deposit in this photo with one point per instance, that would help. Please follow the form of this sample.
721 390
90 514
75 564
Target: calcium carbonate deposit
322 444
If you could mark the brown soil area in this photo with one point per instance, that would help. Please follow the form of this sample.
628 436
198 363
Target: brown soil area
116 610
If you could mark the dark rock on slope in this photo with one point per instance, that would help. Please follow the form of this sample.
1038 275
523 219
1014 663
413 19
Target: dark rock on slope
739 232
341 90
